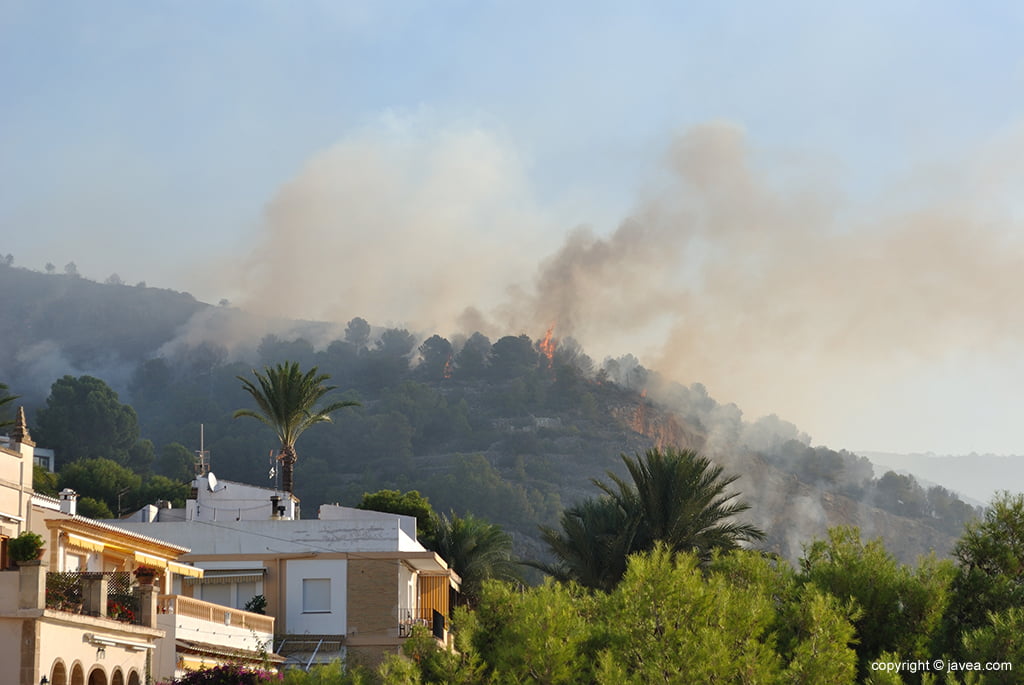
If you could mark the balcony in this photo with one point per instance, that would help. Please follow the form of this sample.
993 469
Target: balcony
430 619
196 619
111 595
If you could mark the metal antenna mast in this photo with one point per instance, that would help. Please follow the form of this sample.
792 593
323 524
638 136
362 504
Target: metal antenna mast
203 465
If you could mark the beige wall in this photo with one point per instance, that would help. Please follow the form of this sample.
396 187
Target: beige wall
15 486
10 640
373 595
63 642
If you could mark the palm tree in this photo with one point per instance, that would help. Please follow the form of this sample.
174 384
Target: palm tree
676 498
285 398
476 550
4 400
592 546
679 497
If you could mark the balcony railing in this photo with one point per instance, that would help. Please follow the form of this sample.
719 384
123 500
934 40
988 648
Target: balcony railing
215 613
71 592
430 619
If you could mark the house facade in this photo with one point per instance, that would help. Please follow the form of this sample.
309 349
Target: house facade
96 608
349 584
92 626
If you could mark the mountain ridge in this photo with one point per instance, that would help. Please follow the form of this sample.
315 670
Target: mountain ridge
527 426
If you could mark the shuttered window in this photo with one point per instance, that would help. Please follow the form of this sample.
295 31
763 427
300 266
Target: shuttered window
316 595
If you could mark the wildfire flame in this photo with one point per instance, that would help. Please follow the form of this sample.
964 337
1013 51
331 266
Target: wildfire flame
547 345
448 367
643 394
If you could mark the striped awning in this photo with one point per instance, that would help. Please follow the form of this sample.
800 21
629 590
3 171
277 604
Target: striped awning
184 569
224 576
155 562
84 543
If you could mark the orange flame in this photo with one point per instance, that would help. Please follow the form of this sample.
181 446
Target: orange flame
547 345
643 393
448 367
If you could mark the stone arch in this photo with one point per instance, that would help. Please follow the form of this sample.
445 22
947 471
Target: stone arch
97 676
77 675
59 673
118 677
133 678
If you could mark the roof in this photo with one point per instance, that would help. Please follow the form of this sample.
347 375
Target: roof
74 521
205 648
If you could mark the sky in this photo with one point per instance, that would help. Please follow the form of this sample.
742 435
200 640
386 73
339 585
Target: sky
807 207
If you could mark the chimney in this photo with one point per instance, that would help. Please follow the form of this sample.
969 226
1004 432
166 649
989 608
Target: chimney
69 501
20 433
21 441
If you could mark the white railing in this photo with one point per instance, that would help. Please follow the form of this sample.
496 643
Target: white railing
188 607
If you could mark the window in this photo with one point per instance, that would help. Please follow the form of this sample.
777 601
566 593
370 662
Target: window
244 592
73 562
217 594
316 595
3 551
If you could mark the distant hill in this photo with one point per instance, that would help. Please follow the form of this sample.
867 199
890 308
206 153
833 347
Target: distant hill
56 323
973 476
512 429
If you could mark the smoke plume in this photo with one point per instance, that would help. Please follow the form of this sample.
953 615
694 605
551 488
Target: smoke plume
758 282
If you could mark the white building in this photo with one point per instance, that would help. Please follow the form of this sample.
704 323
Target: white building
350 583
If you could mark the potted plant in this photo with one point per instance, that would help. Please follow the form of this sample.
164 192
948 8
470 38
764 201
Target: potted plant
145 574
26 547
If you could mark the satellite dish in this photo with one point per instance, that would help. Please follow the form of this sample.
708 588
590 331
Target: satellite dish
211 480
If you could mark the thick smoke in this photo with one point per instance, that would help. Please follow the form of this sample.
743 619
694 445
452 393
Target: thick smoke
769 290
399 227
772 297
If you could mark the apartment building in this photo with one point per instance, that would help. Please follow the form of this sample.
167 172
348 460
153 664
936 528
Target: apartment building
349 584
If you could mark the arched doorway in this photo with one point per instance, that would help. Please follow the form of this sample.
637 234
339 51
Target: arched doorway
77 675
59 674
97 677
117 678
133 678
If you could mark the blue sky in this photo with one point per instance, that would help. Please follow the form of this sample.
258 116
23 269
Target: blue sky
196 145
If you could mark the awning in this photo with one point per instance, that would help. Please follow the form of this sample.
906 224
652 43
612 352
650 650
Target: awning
155 562
184 569
10 518
215 576
84 543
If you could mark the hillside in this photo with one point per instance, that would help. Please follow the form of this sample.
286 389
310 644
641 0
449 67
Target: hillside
512 429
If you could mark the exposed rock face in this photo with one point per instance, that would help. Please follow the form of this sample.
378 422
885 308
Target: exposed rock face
662 428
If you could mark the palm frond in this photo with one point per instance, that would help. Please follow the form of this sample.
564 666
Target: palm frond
286 401
673 497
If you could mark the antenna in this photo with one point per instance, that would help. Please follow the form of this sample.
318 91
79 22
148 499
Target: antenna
275 471
203 464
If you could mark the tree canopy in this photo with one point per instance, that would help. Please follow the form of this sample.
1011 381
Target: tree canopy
676 498
6 399
286 401
477 550
410 503
84 418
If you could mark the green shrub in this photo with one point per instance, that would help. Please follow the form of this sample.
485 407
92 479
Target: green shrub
26 547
